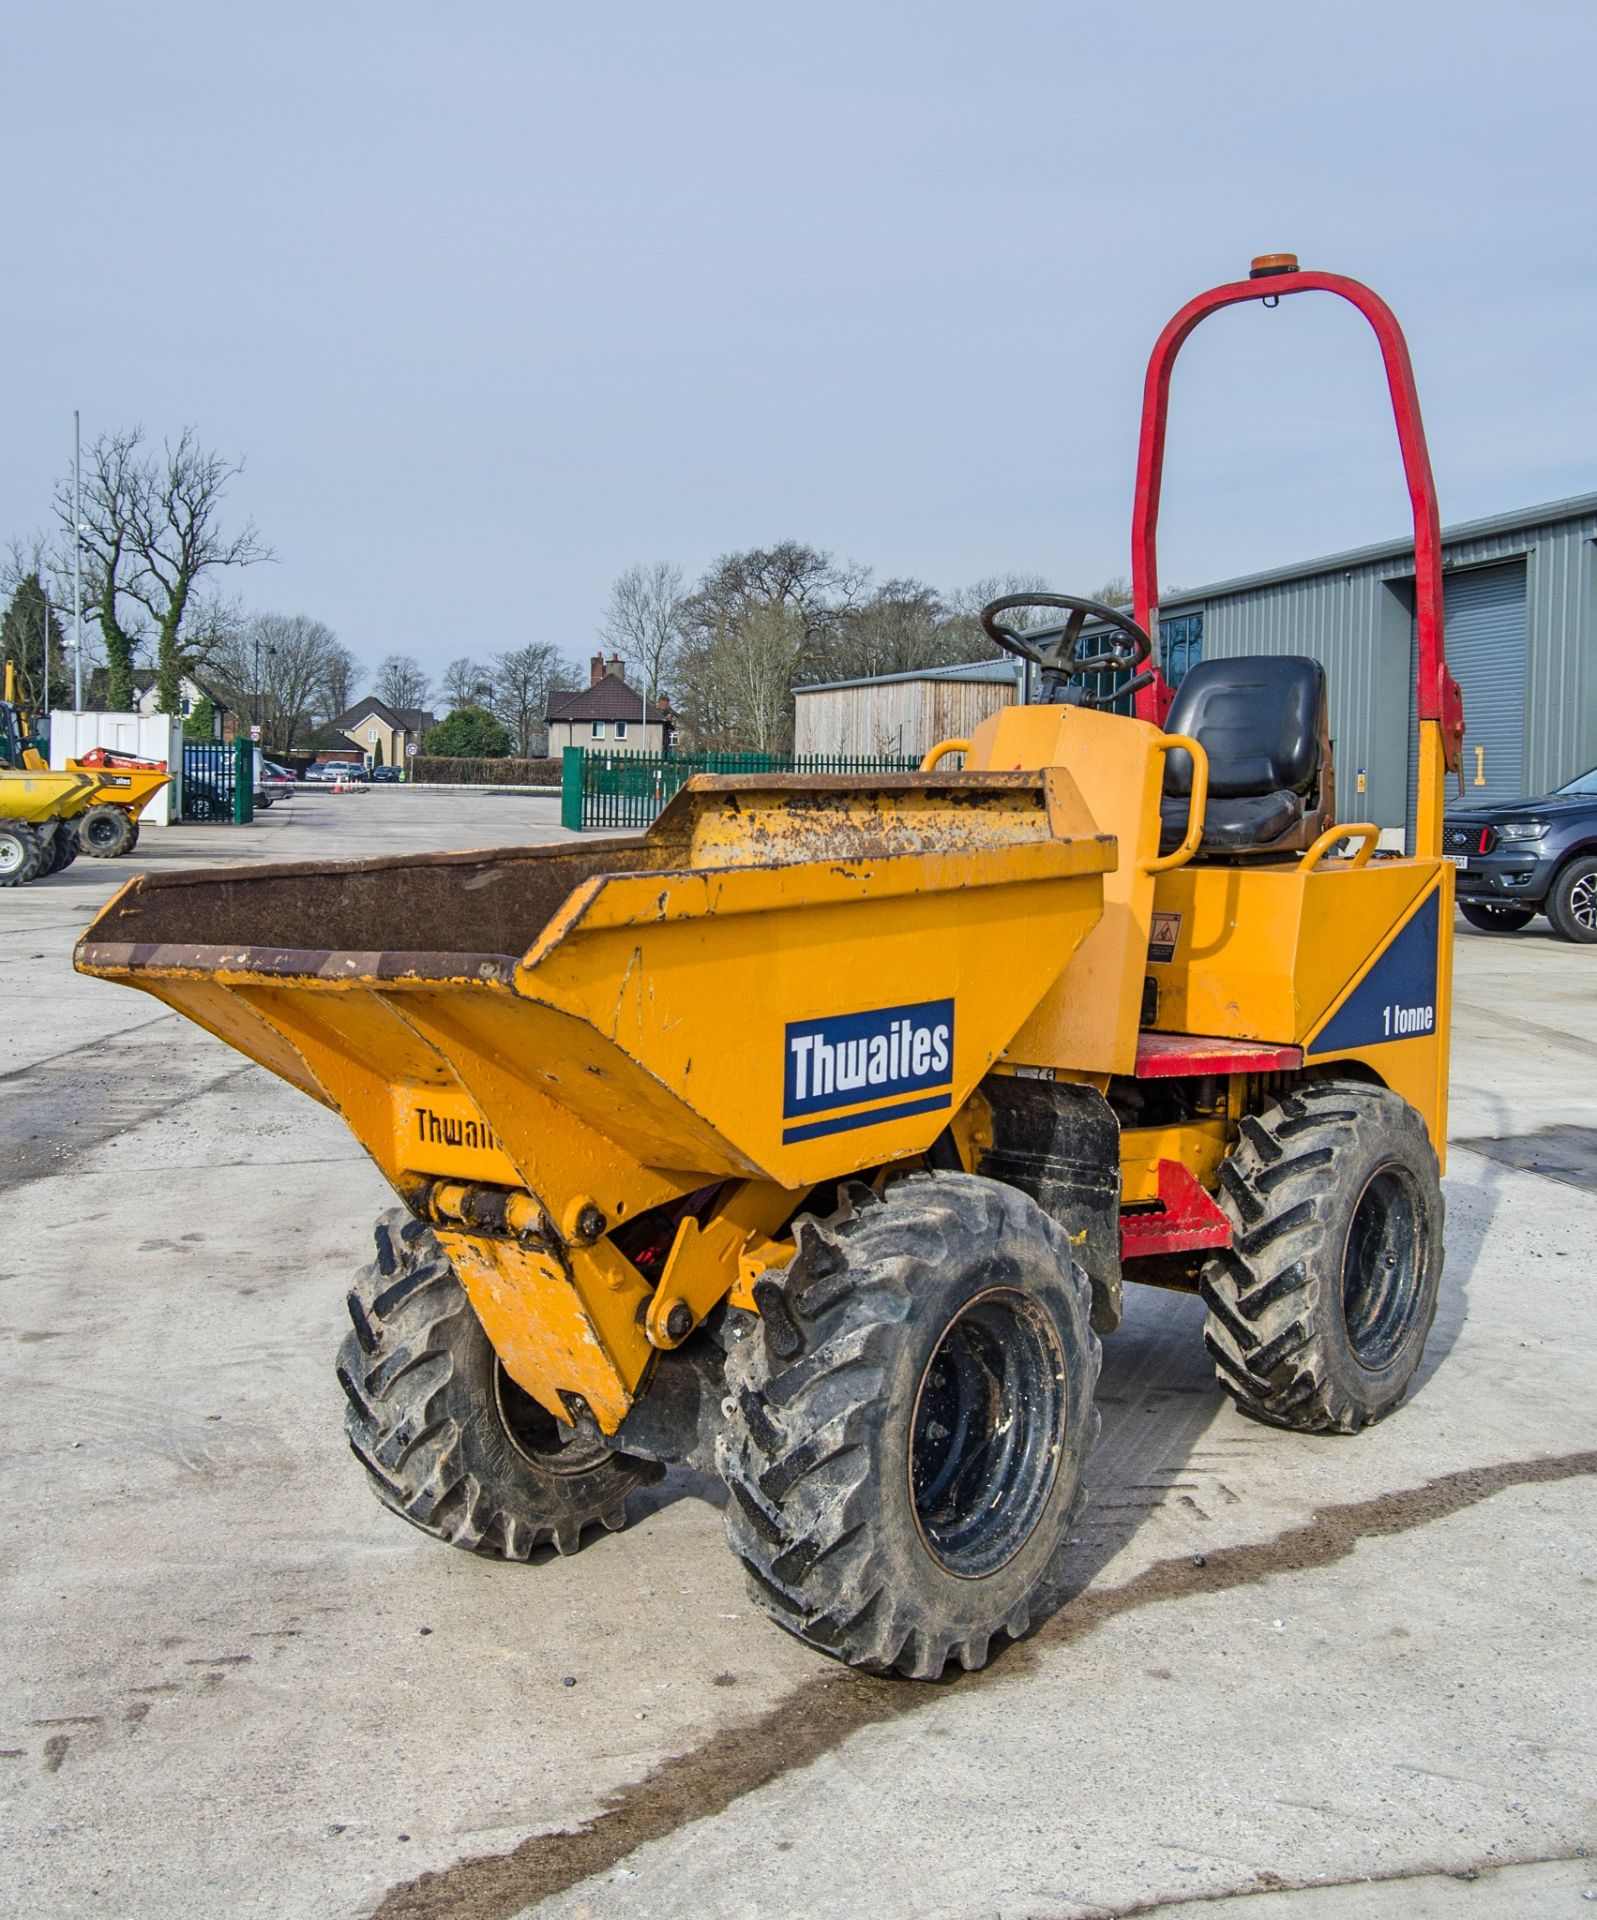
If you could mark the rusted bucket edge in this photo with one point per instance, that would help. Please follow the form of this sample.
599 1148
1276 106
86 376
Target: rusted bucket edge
341 967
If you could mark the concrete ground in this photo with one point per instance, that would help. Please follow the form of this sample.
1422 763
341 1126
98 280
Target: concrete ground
1303 1679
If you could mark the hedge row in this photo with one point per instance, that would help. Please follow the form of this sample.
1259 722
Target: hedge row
484 773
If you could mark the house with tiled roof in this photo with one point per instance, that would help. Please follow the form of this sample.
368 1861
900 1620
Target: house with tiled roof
607 715
385 736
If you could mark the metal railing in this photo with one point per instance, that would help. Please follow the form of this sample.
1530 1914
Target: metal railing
218 781
629 789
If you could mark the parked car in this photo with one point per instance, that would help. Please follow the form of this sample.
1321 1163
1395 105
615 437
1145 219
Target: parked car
275 782
1527 857
325 772
205 798
387 774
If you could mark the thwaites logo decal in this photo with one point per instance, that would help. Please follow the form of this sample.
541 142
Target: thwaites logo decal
1396 999
836 1065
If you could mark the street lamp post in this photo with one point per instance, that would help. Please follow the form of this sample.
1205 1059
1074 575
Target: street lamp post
270 653
77 571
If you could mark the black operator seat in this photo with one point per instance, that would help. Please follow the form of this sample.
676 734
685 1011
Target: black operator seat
1263 723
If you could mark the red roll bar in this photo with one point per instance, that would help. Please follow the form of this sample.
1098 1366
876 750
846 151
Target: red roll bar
1437 692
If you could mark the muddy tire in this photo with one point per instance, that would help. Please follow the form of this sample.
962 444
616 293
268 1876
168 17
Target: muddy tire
1319 1310
449 1441
1489 919
21 853
61 852
105 831
907 1425
1572 900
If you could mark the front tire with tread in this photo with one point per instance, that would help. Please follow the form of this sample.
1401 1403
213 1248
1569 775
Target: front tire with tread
106 831
448 1440
858 1526
1319 1309
21 853
1572 900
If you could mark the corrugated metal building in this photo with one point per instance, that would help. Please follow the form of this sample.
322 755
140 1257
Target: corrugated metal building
1521 609
1521 605
900 713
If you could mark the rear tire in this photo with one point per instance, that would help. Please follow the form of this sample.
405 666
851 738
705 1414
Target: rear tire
62 851
1490 919
105 832
907 1425
1572 901
21 853
1319 1309
449 1441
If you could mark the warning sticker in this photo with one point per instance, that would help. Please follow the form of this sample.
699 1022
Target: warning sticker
1163 935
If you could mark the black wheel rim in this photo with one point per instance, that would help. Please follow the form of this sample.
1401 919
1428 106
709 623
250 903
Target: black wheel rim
104 833
1382 1266
538 1436
987 1433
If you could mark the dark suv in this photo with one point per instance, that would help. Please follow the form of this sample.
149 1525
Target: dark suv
1528 857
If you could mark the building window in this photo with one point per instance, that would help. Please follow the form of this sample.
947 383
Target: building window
621 729
1181 642
1180 648
598 730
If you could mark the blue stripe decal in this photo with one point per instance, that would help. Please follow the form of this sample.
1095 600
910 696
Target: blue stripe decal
1396 999
845 1122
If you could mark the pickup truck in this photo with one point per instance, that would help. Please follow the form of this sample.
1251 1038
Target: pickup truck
1524 857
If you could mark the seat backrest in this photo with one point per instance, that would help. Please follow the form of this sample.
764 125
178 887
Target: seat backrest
1261 720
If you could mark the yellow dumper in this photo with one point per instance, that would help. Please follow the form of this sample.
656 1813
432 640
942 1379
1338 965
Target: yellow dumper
127 785
809 1137
39 814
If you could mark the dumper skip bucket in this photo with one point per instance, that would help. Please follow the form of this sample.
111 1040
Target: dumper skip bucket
783 980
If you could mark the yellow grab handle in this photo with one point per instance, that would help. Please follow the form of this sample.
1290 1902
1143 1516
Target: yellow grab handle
1364 831
1199 804
943 748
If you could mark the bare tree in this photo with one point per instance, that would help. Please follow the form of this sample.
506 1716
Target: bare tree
401 681
273 667
643 622
733 644
113 479
171 536
336 679
522 683
901 626
465 683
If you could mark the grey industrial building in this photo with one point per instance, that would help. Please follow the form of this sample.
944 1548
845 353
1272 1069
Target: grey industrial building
1521 622
1521 605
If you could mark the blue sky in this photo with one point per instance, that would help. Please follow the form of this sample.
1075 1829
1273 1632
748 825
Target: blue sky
498 298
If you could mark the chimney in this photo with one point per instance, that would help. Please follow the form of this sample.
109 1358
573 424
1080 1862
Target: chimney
615 666
596 670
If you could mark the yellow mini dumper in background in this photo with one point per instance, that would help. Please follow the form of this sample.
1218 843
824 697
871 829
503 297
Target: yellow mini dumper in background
127 785
39 814
39 810
810 1137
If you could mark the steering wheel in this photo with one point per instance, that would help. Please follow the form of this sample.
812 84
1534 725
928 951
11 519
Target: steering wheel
1055 647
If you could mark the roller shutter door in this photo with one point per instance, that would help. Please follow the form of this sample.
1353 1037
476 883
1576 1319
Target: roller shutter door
1485 635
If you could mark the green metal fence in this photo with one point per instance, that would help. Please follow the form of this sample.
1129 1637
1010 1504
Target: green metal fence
629 789
218 782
